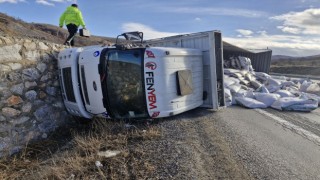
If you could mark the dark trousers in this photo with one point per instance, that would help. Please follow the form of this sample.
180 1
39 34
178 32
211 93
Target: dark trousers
72 28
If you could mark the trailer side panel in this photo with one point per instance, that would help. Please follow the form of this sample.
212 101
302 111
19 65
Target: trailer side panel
210 43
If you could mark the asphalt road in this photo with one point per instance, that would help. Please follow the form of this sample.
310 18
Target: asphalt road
272 144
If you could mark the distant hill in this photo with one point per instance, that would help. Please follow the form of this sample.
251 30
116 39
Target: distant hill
282 57
10 26
308 65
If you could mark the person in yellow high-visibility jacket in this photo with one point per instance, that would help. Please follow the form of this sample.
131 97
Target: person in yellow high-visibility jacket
72 17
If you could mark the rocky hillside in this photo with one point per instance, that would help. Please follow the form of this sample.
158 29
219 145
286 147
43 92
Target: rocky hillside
15 27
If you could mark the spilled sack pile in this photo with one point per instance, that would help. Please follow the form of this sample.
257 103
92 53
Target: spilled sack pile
251 89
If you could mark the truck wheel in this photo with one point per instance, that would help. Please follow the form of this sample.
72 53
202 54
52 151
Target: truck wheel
81 120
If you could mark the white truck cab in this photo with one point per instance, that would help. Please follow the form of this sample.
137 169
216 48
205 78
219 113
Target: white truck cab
124 82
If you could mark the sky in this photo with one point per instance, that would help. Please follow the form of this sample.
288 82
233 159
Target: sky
288 27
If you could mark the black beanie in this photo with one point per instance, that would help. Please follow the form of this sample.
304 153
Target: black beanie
74 5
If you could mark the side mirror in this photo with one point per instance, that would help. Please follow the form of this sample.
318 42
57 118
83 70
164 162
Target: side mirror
132 36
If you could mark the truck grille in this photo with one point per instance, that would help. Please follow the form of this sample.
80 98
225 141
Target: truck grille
68 85
61 85
84 84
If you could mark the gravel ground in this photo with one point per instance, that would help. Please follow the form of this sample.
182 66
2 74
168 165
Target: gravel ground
192 148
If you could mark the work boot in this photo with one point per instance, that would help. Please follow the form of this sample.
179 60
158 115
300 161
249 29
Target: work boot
67 44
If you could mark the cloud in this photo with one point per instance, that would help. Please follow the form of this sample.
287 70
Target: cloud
304 22
292 45
148 32
308 1
280 44
11 1
262 33
52 2
197 19
62 1
291 30
214 11
44 2
58 1
244 32
192 7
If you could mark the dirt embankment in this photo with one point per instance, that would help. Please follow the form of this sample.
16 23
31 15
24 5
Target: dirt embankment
15 27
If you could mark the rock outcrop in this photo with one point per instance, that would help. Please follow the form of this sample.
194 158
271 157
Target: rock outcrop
30 100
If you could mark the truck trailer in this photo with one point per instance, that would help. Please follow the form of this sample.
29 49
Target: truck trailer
144 79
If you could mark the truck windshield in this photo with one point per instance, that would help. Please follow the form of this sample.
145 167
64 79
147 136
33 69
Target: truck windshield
124 83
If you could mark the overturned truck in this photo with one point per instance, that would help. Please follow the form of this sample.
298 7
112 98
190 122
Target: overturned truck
151 79
142 79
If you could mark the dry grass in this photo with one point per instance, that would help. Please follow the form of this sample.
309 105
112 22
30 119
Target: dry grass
76 159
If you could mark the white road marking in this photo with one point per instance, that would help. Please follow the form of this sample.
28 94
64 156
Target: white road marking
309 135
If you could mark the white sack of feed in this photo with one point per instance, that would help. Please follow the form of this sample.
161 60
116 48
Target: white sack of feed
272 81
284 93
311 96
245 63
262 76
244 93
250 103
228 96
287 84
309 87
255 84
263 89
272 88
267 99
295 104
235 88
230 81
